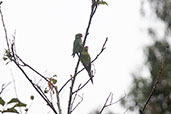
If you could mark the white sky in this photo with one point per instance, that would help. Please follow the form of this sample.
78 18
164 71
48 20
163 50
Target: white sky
45 31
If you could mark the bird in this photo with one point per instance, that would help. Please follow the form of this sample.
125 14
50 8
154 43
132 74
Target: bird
77 45
86 61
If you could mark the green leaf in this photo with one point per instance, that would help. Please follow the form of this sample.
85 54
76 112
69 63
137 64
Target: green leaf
5 58
20 104
11 110
53 80
32 97
55 75
46 91
2 102
14 100
7 62
102 3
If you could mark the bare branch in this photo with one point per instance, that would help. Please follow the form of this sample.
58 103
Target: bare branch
156 82
5 30
126 111
74 97
103 48
105 104
15 89
110 97
25 64
77 103
36 87
3 87
58 100
65 84
82 86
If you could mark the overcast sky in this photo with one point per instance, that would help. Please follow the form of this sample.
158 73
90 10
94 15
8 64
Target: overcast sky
45 31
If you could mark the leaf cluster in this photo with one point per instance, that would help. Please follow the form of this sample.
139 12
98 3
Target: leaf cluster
15 102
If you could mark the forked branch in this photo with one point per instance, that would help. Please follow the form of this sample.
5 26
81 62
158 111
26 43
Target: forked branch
109 102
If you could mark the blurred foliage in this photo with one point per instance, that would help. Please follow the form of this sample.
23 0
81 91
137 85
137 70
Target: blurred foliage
160 102
161 8
96 111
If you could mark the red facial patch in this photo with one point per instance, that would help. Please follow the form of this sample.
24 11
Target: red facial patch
86 47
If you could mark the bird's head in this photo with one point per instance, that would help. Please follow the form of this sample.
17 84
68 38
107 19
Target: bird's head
86 48
79 35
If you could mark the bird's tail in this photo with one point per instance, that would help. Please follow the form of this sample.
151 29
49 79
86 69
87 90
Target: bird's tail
91 77
88 69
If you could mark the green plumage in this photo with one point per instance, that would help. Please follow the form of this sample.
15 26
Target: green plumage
86 61
77 44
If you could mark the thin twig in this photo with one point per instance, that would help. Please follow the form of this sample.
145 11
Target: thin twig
82 86
40 93
93 10
78 103
4 86
58 100
25 64
105 103
156 82
15 89
5 30
111 102
103 48
126 111
65 84
74 97
71 88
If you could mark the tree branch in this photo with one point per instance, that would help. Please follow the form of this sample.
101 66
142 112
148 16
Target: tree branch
5 30
25 64
3 87
74 97
110 97
81 87
58 100
77 103
156 83
93 10
37 88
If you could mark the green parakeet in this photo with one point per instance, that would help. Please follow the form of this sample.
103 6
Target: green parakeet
77 44
86 61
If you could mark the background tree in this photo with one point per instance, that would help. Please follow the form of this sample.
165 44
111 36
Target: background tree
141 88
160 9
158 60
